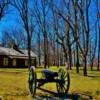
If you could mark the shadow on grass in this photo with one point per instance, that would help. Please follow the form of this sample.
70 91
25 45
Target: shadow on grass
55 96
93 76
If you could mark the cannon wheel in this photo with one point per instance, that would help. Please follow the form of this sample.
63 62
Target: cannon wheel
32 81
63 87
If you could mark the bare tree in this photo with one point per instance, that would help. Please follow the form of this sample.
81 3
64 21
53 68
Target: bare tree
13 36
7 39
3 8
23 8
60 39
39 48
65 36
52 43
19 38
98 13
92 50
75 34
84 9
40 15
81 7
98 51
68 37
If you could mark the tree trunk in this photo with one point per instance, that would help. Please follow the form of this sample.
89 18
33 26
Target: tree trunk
74 58
98 51
48 54
91 65
69 50
39 59
45 52
54 59
39 50
77 59
84 66
29 49
70 58
57 56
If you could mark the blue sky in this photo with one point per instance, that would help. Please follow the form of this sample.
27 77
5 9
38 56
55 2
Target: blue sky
12 20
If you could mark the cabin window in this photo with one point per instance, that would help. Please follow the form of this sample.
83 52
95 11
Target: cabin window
14 62
33 62
5 61
26 62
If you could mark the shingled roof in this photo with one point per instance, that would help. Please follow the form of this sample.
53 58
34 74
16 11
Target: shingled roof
25 52
12 53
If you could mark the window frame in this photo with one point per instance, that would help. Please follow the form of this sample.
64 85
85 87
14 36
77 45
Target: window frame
5 61
14 62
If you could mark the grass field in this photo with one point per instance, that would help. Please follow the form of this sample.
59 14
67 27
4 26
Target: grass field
14 85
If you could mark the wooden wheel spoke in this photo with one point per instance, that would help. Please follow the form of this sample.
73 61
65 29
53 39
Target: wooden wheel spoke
64 88
59 89
64 77
66 80
65 84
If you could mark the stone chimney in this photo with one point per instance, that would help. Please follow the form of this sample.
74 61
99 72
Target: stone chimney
15 47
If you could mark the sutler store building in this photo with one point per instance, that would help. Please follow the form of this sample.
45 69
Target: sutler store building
14 57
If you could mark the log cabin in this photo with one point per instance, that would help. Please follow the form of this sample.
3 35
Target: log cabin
16 58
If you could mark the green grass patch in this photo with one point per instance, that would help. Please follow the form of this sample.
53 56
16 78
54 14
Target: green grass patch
14 84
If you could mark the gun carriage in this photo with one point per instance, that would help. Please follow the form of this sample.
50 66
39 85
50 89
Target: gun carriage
61 78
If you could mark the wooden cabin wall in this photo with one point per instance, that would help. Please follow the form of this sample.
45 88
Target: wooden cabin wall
20 63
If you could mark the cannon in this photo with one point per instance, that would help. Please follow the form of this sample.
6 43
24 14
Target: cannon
61 78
